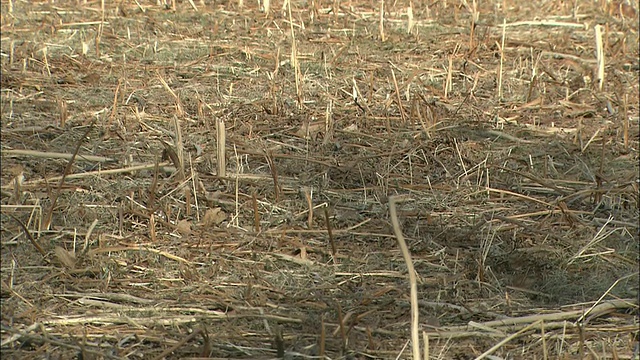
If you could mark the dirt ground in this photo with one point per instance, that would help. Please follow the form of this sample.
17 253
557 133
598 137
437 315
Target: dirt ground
213 179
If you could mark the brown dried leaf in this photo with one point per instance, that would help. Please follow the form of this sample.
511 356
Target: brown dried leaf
351 128
309 130
184 227
214 217
65 257
91 79
213 196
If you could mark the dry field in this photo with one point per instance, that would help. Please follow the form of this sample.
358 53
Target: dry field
215 179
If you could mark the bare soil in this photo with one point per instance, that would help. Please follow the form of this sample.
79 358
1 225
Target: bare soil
516 168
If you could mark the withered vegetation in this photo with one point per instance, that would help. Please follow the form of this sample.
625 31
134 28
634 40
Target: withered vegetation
212 179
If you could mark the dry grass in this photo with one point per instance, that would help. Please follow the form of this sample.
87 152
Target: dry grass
517 161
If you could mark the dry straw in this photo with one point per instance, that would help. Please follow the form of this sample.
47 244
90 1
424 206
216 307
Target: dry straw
294 59
508 243
381 22
221 151
415 314
501 47
597 30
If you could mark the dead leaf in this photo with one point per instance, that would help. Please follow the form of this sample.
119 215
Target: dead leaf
214 217
91 79
66 79
351 128
184 227
213 196
65 257
309 130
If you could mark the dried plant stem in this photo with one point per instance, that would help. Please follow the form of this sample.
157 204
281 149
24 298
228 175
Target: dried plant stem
501 46
100 28
62 104
425 341
181 161
179 143
625 122
29 236
12 49
449 79
296 223
545 351
398 97
55 155
273 87
294 59
96 173
194 182
236 188
322 340
599 55
221 140
152 228
474 19
48 339
46 60
308 195
256 213
179 108
415 336
410 21
67 170
334 251
114 109
151 203
358 99
341 327
328 123
274 176
507 339
180 343
381 21
545 23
